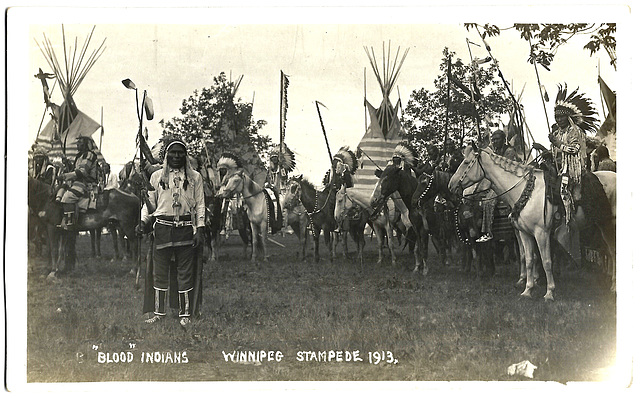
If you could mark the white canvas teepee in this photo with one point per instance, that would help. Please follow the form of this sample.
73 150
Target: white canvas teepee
67 123
384 131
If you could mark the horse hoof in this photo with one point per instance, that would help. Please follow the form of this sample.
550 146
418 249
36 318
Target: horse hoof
526 293
549 297
521 282
415 270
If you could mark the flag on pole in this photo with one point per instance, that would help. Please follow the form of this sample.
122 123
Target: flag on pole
284 84
607 131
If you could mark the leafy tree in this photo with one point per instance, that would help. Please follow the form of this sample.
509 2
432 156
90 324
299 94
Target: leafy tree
214 113
424 116
545 39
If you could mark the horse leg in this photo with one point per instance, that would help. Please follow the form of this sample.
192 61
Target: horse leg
54 247
425 253
316 244
521 259
329 242
380 238
529 245
254 243
98 232
114 238
417 251
544 244
92 233
608 233
263 239
305 234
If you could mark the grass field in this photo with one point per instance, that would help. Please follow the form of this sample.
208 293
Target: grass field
448 325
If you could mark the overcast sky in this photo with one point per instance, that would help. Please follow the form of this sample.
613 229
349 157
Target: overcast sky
171 54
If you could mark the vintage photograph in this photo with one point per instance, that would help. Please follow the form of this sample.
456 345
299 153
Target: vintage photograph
233 195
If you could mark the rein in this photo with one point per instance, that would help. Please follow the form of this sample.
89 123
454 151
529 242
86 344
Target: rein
526 177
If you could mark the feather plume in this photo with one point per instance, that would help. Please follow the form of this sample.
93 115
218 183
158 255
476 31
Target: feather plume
288 158
579 108
406 152
349 159
229 161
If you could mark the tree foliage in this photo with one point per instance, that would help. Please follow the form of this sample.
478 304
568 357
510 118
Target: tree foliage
214 113
425 118
546 39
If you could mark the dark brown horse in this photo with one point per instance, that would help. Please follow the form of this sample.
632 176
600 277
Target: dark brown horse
440 224
395 179
320 206
113 205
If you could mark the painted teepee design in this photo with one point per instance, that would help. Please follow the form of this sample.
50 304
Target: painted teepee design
67 123
384 131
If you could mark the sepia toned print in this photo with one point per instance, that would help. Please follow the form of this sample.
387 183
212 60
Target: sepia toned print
297 202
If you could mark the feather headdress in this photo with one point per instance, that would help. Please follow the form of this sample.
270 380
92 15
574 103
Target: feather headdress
406 153
229 161
348 158
578 107
287 159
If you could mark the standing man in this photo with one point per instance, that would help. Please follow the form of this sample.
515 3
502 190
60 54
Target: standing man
574 114
178 208
78 183
500 147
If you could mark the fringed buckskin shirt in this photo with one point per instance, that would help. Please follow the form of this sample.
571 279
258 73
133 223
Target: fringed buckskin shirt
188 202
573 151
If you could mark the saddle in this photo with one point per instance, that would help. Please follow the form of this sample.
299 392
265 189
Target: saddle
594 201
274 212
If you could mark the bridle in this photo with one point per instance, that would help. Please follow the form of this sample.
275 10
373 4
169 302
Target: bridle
345 209
476 158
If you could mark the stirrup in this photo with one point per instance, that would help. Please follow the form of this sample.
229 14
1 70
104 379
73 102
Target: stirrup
154 319
484 238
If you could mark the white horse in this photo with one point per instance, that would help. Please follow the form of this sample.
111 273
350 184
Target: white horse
347 198
523 188
256 202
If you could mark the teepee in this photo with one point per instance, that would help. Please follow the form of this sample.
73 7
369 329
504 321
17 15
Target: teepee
67 123
384 131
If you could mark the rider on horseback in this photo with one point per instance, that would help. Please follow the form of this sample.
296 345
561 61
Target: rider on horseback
78 183
574 114
500 147
344 164
41 168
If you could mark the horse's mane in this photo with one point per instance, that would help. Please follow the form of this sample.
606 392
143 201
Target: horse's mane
511 166
305 182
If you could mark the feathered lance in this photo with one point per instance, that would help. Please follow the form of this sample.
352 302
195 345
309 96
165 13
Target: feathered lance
446 117
140 110
473 83
518 113
326 140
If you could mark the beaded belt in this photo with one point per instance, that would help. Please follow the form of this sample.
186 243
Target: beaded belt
174 223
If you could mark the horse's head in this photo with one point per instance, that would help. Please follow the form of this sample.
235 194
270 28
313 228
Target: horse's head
341 204
292 193
231 184
389 183
470 170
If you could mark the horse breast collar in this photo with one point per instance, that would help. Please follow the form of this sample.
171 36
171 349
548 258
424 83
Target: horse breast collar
524 196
